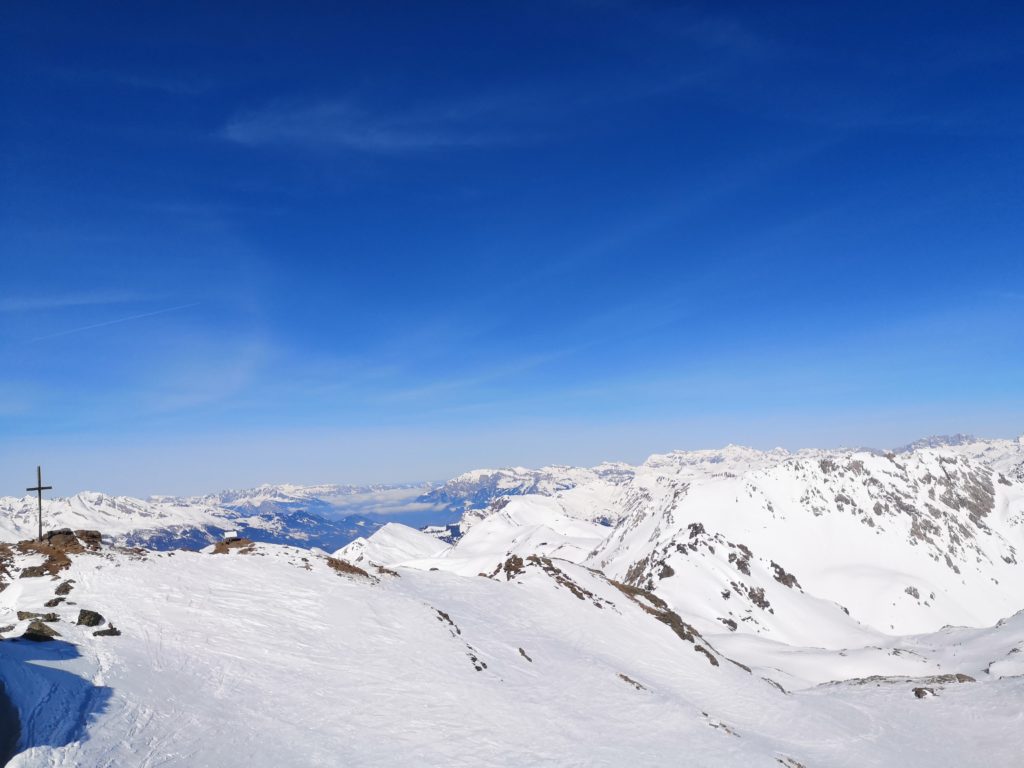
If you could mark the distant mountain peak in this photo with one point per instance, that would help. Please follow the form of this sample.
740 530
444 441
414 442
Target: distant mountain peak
937 441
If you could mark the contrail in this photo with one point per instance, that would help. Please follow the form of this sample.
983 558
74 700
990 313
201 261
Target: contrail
114 322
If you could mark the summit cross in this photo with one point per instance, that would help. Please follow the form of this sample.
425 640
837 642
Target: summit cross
39 490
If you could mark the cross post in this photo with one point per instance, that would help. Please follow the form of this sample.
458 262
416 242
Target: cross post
39 490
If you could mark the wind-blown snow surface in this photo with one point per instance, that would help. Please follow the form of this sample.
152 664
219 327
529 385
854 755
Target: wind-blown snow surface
547 636
272 658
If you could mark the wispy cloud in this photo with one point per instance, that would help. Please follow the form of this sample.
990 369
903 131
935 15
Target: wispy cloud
556 105
113 322
344 125
391 501
12 304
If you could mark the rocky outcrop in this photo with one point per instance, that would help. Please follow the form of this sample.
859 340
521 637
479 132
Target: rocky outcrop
345 567
659 609
39 632
242 546
87 618
55 548
47 617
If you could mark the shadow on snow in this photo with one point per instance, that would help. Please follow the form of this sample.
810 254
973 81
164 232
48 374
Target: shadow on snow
55 706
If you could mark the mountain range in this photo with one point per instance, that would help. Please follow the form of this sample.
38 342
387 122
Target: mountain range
726 607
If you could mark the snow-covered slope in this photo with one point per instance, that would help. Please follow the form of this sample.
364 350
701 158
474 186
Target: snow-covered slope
1004 456
817 547
871 603
826 548
592 488
518 526
903 544
267 655
822 548
390 545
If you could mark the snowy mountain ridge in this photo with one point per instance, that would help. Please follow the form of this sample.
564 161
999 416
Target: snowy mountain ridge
903 543
738 607
327 513
289 493
235 655
171 523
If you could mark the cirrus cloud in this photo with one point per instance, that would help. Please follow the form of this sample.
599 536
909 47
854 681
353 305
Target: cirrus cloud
343 125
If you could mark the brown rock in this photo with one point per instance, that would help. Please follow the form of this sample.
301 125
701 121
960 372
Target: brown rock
56 557
343 566
62 538
87 618
89 539
244 546
38 632
23 615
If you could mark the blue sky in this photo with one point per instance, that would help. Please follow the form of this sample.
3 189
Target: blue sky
399 241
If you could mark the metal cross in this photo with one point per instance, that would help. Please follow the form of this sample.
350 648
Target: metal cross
39 489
